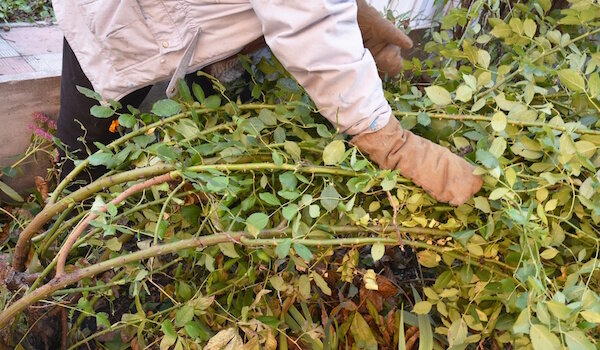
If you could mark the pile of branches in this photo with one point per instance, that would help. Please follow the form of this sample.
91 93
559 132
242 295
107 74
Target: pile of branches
223 224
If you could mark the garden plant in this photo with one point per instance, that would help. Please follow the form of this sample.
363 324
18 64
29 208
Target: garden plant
223 224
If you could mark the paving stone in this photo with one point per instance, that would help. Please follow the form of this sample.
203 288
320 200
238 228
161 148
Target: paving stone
50 62
14 65
34 40
6 50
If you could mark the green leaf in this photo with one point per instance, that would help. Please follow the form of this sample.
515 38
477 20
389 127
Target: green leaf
501 30
314 211
487 159
102 320
572 79
438 95
170 334
303 251
549 253
361 332
256 222
529 27
293 149
320 282
277 158
184 315
213 102
576 340
521 325
198 92
559 310
114 244
100 158
464 93
102 112
401 336
288 181
271 321
290 211
422 308
543 339
425 332
498 193
89 93
194 330
389 183
184 91
591 316
457 333
228 249
483 58
127 120
217 183
283 248
499 121
10 192
423 119
334 152
463 236
269 198
166 108
377 251
330 198
482 204
594 85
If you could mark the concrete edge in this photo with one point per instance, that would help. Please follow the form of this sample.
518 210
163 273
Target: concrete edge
30 24
28 76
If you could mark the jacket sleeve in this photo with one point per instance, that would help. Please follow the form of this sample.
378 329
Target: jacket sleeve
320 44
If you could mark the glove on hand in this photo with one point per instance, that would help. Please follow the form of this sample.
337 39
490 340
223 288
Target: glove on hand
382 38
444 175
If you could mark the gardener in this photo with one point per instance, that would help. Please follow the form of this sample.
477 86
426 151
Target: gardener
121 47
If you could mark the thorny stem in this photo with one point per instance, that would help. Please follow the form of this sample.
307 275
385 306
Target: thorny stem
68 279
62 281
481 118
23 244
66 248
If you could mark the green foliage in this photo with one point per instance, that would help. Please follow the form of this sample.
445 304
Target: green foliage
25 10
517 266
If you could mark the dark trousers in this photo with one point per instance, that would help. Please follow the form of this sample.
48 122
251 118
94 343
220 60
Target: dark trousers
74 116
75 121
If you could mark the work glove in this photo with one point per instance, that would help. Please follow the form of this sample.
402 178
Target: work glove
444 175
382 39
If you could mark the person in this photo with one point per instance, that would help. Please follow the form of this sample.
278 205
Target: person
335 49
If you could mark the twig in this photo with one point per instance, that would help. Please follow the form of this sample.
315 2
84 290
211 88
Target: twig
66 248
395 208
482 118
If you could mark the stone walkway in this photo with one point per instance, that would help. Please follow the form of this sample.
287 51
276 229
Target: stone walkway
30 51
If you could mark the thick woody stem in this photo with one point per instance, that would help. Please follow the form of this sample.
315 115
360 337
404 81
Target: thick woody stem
23 244
67 279
269 238
66 248
482 118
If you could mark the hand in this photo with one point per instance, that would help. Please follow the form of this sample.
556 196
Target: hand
441 173
382 39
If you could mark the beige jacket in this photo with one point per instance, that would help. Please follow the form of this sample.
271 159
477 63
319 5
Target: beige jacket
123 45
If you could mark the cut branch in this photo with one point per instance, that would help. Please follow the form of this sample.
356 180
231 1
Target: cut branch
66 248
